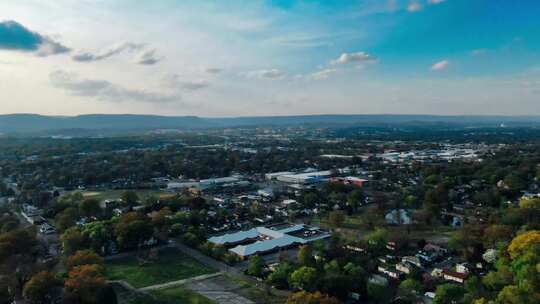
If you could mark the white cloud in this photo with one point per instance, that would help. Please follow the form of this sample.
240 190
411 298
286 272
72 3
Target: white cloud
111 51
440 66
478 52
414 6
272 74
322 74
177 82
105 90
435 2
354 57
148 57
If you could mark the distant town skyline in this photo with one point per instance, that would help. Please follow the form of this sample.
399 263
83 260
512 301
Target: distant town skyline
253 58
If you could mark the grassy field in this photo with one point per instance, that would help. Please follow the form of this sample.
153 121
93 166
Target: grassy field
171 265
116 194
176 295
180 295
255 292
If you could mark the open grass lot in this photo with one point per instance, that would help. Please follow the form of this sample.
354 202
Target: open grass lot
254 291
116 194
176 295
179 295
171 265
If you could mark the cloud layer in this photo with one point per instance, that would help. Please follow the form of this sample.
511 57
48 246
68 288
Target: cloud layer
104 54
358 57
105 90
271 74
14 36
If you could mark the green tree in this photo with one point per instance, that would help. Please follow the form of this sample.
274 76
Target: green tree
305 278
336 218
73 240
130 198
378 293
280 276
448 294
355 199
90 207
132 230
256 266
305 256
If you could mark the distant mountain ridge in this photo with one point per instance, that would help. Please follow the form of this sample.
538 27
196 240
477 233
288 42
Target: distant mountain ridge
34 123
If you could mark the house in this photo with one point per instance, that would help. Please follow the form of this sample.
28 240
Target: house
412 260
398 217
463 268
454 276
389 270
406 268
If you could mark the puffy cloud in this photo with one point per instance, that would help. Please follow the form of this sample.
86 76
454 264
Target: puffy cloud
148 57
116 49
358 57
14 36
105 90
272 74
414 6
441 65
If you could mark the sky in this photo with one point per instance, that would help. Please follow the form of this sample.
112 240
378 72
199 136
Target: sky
281 57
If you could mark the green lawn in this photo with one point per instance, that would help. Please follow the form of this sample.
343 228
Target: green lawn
179 295
171 265
116 194
176 295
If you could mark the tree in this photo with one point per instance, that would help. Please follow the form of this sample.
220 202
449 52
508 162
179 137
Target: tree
305 256
279 278
161 219
256 266
533 203
305 278
40 288
90 207
132 230
130 198
310 199
497 233
336 218
523 243
73 240
410 288
66 219
377 239
303 297
190 239
514 295
378 293
448 294
83 257
354 199
85 282
336 284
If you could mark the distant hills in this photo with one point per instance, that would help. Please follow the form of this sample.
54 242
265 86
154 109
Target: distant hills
26 124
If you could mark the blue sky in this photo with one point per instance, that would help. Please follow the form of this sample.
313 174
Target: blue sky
233 58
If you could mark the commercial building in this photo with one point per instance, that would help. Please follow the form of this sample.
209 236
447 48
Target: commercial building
264 240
